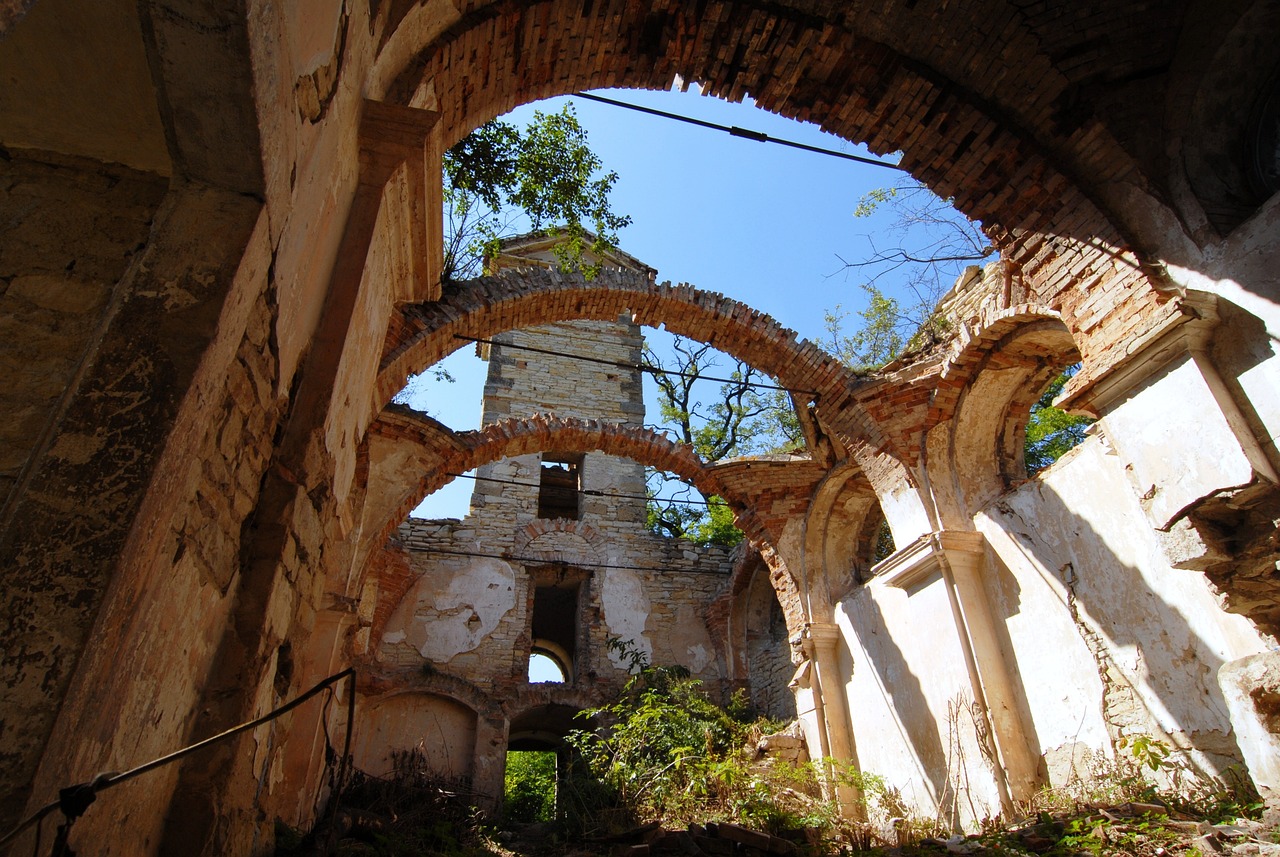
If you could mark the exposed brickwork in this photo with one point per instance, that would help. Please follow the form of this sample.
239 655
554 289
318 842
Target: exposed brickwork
1064 127
989 120
481 308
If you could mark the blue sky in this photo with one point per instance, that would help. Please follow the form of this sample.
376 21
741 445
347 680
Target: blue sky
759 222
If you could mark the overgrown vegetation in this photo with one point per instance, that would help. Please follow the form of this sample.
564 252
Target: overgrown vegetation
664 756
530 792
667 753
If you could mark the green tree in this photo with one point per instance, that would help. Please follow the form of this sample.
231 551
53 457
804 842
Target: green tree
1052 431
546 178
929 243
499 181
738 419
920 251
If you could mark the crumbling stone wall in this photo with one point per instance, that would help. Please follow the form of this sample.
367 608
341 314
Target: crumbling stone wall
1085 159
457 601
76 225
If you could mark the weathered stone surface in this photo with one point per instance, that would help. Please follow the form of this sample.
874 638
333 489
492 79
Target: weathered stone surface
1102 145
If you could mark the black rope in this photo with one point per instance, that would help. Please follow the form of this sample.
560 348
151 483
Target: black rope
537 560
744 133
638 367
74 800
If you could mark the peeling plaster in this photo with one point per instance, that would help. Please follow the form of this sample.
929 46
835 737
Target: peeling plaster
626 609
444 621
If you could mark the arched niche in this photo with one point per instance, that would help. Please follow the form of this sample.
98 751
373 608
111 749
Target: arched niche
841 533
437 731
761 642
1006 365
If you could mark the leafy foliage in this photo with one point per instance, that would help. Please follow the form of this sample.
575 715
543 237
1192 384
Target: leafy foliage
739 419
668 753
546 176
1052 431
529 794
887 329
928 244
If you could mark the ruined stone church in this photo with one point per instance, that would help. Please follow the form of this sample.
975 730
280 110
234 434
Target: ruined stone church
220 258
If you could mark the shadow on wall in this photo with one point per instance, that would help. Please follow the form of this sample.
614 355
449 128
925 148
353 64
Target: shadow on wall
906 706
1156 635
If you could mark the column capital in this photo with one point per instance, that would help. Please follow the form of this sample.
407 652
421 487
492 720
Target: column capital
824 634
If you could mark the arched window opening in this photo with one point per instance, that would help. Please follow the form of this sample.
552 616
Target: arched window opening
545 668
1051 432
874 541
555 620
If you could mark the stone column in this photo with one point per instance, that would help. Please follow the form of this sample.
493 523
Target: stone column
825 637
489 763
964 554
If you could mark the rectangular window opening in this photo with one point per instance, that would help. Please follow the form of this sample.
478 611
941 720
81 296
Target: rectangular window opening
559 489
554 631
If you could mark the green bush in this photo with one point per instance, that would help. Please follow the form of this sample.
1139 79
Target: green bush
530 791
668 753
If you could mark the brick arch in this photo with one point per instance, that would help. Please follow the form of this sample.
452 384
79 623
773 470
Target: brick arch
541 433
990 382
527 535
423 334
994 121
837 515
972 347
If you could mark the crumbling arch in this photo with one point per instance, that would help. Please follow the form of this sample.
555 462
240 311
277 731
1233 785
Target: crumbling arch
543 726
541 433
835 559
757 657
486 306
998 372
860 76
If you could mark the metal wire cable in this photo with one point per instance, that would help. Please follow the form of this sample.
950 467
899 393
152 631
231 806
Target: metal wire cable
590 492
744 133
639 367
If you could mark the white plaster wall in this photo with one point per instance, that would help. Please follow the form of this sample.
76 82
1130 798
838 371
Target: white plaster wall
906 675
626 609
1148 639
1048 658
1177 442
